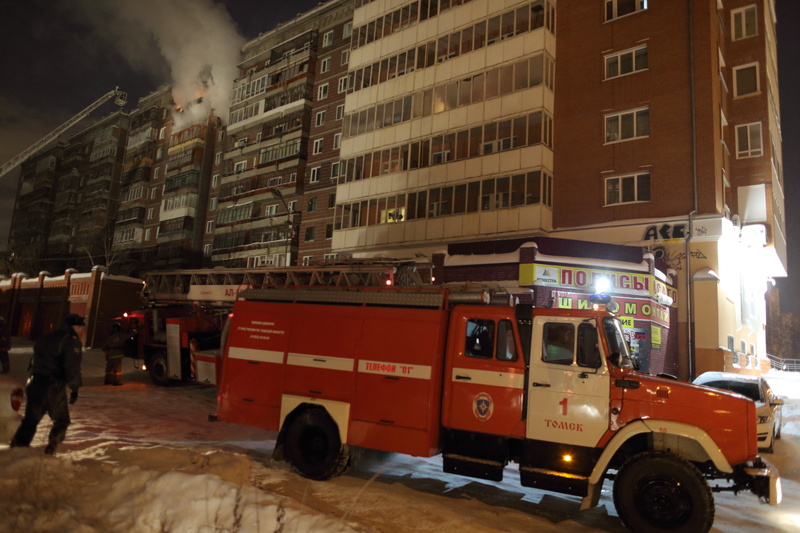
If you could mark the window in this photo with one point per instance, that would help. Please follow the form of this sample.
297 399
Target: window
558 343
335 170
320 118
479 338
327 39
206 250
162 133
329 231
314 177
340 112
744 22
318 143
213 204
215 181
628 125
218 158
150 213
628 189
345 57
312 204
153 193
307 259
337 141
342 88
332 200
322 91
309 233
241 166
620 8
748 140
347 30
292 206
210 226
626 62
325 65
147 233
745 80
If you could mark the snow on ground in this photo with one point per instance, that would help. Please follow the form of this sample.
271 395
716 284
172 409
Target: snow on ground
140 458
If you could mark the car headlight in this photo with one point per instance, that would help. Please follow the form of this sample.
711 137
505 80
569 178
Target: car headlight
762 419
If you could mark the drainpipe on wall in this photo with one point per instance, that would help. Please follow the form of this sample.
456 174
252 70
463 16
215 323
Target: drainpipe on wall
689 284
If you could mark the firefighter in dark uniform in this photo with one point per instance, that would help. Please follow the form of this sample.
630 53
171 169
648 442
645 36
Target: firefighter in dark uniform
114 349
56 365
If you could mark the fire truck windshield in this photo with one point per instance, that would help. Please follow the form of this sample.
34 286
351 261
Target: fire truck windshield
619 353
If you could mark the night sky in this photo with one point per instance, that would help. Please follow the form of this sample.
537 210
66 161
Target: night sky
58 56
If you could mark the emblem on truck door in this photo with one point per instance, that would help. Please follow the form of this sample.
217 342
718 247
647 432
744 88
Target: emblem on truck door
482 406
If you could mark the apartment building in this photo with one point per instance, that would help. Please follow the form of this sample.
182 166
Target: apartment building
264 155
667 135
165 188
448 126
33 209
137 220
67 199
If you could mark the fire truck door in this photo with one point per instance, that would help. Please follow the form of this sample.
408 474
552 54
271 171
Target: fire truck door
568 389
486 379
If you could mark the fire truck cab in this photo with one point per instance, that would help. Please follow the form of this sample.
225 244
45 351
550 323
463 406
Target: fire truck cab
430 371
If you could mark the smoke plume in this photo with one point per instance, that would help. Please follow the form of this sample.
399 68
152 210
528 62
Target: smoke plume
197 38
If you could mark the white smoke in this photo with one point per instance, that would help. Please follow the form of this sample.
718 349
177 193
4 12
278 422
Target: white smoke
197 38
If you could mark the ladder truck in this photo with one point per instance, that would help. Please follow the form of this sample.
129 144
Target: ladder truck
120 98
177 333
483 382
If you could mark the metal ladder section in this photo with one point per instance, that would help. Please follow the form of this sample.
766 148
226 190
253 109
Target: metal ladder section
419 297
178 285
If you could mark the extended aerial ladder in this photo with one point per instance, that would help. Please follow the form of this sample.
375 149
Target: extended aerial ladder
120 98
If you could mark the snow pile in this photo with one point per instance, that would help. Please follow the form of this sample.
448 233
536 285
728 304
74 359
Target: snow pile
40 493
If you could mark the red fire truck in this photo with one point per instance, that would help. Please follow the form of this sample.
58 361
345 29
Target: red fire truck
432 371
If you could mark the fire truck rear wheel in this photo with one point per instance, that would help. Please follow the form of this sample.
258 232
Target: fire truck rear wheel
314 448
158 370
659 491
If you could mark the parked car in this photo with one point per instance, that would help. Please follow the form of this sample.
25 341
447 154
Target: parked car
11 394
768 404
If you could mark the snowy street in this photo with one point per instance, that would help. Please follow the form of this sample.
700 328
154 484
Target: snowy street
141 458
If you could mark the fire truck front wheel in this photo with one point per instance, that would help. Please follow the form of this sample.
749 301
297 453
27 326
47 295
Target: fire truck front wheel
313 446
158 370
659 491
